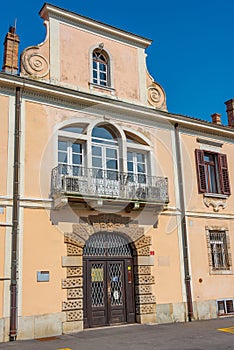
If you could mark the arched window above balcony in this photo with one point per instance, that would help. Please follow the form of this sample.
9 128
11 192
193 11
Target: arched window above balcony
106 160
105 151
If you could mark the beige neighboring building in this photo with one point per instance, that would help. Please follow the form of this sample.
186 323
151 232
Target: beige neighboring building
112 209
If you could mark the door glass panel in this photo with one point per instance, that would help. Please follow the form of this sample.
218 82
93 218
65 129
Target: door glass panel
97 284
116 284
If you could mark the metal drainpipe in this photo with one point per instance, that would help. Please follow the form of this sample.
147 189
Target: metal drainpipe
183 226
15 222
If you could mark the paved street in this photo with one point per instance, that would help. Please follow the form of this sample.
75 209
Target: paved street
199 335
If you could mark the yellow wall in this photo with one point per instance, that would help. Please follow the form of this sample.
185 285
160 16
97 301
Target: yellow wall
43 249
212 286
166 270
2 256
3 144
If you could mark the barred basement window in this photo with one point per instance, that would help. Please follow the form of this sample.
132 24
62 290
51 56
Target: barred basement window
225 307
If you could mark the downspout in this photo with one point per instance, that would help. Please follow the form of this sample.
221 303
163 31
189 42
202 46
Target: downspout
183 226
15 223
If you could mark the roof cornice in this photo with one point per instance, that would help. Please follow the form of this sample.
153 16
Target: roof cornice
49 90
50 11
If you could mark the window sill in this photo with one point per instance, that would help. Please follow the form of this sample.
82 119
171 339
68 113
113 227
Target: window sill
221 272
102 88
216 195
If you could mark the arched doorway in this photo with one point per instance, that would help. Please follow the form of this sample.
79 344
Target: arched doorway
108 280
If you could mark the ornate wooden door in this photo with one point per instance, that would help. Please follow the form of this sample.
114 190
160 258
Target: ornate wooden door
108 281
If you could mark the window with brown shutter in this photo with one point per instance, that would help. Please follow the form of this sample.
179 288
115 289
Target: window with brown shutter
212 172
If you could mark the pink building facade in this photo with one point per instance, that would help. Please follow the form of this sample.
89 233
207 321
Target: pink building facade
112 209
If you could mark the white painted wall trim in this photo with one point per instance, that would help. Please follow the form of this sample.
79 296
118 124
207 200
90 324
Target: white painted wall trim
54 38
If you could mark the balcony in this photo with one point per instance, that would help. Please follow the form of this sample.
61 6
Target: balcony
80 184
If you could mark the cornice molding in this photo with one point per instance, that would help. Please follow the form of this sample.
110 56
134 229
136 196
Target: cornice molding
47 91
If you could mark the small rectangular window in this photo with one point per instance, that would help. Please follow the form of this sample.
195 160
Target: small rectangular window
219 251
218 246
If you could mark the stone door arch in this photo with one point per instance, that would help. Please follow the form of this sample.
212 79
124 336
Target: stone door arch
73 262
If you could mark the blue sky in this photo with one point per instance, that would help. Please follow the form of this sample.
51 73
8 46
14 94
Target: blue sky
192 54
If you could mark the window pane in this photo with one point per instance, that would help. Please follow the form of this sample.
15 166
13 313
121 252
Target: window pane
103 76
97 162
140 157
95 74
76 159
212 179
130 166
102 133
130 155
102 58
112 164
76 147
102 67
103 83
141 168
62 157
94 64
76 129
95 81
111 153
96 151
62 145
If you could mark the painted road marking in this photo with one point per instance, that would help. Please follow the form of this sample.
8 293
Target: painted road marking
64 349
227 330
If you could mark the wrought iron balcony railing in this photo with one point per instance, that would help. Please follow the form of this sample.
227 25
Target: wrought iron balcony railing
111 184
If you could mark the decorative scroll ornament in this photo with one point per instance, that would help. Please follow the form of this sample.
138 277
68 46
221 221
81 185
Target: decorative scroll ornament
156 96
33 63
216 203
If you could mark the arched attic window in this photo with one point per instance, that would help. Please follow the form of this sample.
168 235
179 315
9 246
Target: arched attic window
101 67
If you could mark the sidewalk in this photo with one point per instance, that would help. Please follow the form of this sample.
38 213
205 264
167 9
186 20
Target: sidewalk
198 335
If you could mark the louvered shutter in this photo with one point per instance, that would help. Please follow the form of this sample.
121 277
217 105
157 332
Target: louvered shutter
201 171
223 173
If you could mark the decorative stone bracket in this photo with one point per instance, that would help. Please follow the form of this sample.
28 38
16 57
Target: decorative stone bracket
215 202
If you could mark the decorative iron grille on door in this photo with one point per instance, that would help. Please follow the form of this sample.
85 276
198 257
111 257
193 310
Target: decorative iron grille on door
106 244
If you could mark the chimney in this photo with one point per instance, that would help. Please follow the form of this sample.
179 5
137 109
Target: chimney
230 112
11 45
216 118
